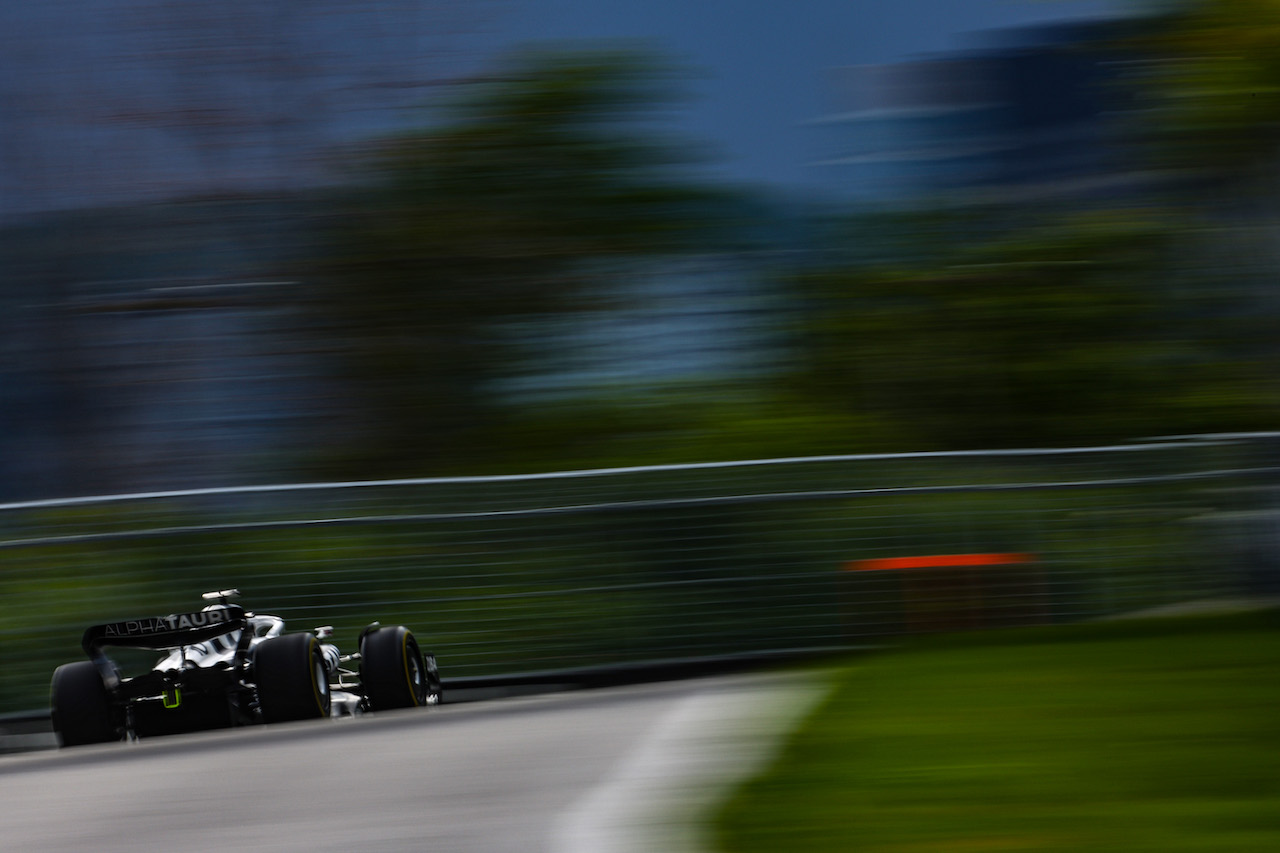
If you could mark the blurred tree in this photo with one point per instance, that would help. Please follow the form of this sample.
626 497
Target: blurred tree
1212 82
1150 313
1213 85
543 179
1055 332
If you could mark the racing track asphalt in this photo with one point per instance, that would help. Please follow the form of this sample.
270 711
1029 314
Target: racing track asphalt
603 771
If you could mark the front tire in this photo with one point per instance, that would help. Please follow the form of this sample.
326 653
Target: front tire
80 706
392 669
292 681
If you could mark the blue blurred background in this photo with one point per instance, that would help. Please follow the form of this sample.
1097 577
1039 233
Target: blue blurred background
261 242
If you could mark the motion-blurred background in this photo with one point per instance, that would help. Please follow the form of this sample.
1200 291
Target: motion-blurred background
254 242
272 242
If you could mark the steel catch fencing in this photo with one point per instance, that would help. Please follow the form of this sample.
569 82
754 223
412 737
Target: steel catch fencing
524 573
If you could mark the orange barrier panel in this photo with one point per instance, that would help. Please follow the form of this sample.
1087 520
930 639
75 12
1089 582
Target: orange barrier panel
948 592
936 561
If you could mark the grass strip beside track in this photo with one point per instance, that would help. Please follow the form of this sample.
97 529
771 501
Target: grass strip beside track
1160 735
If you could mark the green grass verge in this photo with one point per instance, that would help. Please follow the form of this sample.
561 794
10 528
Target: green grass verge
1145 735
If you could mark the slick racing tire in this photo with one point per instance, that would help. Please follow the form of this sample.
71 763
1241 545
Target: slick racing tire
292 681
392 670
81 708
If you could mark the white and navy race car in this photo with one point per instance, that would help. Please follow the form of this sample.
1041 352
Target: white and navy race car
224 666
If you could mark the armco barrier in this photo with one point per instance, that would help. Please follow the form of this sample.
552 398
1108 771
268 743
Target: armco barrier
504 576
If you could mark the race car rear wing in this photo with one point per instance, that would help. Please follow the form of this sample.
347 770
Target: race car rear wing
164 632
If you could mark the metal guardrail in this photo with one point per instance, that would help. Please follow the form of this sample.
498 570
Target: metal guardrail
615 567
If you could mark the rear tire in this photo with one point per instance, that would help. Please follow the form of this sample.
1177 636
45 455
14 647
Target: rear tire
392 670
80 706
292 681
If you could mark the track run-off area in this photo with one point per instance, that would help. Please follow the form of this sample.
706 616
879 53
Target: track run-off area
594 771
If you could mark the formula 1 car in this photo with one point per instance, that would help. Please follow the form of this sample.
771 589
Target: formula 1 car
224 666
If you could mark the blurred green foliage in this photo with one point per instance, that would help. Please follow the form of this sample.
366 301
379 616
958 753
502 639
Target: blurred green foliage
1058 329
1213 89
